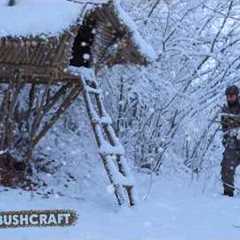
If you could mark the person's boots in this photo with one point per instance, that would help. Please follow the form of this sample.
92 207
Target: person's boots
228 193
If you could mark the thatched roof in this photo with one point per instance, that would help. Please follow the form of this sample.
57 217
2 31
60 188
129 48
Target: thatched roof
128 47
40 43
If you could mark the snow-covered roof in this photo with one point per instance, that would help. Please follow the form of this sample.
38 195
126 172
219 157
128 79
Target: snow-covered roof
145 49
36 17
25 23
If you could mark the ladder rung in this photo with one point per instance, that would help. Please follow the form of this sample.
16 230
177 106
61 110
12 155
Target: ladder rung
93 90
124 181
102 120
108 149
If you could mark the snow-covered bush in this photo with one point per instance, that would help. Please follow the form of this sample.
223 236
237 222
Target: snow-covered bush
167 113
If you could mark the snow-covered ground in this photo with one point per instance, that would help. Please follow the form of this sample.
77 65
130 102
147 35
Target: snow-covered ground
174 210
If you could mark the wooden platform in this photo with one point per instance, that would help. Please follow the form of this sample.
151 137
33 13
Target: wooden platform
34 74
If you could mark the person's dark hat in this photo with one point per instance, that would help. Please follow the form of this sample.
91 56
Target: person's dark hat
232 90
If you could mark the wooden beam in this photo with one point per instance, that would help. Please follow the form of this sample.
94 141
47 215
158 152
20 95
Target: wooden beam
35 74
42 80
72 95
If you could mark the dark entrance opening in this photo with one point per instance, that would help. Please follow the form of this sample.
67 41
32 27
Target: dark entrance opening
81 52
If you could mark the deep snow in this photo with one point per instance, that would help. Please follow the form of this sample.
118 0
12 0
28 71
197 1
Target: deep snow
174 210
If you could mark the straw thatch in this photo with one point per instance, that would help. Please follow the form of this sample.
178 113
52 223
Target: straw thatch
46 58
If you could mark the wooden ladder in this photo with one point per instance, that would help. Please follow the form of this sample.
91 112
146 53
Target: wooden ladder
110 149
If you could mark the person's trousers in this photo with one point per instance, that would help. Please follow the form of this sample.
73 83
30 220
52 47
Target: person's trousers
231 159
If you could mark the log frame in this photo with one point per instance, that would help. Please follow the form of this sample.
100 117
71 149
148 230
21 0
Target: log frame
29 111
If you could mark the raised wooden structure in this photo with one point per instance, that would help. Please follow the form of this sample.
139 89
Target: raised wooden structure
37 86
41 59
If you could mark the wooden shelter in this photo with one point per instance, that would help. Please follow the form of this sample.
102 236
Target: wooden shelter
39 58
38 84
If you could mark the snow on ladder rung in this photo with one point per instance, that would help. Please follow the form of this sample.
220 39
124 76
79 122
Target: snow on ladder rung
106 119
102 120
108 149
118 177
124 181
93 90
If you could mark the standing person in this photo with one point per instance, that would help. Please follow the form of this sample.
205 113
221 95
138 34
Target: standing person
231 155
